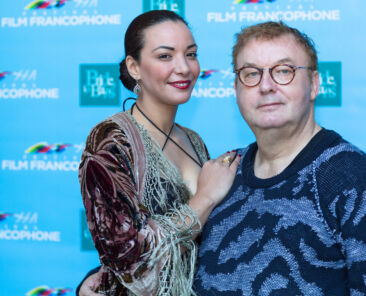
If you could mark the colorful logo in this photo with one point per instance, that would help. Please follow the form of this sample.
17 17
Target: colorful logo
42 4
214 83
3 216
4 74
51 13
44 147
178 6
45 291
23 226
206 73
46 157
251 1
330 88
99 85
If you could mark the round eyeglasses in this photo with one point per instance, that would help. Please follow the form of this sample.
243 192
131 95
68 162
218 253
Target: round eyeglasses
281 74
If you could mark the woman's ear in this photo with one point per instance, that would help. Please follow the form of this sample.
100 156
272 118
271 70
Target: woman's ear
133 67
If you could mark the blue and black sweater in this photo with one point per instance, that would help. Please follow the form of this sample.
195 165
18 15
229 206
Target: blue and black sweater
302 232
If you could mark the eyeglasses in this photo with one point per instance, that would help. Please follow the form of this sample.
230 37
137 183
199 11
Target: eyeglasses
281 74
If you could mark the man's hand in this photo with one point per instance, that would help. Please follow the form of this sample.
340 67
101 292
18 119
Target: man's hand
90 285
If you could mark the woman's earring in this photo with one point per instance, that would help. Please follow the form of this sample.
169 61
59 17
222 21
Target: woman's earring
137 88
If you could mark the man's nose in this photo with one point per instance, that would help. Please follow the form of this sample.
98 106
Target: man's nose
267 83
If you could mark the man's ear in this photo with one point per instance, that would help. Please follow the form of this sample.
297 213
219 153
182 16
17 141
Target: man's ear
235 82
133 67
314 85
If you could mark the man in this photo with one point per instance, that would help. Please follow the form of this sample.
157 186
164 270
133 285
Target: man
294 221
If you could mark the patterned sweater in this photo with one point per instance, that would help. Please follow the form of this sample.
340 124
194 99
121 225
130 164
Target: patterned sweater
302 232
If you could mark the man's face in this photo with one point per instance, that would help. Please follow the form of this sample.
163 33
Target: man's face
269 105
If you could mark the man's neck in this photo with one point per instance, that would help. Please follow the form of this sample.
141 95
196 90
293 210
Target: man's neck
277 148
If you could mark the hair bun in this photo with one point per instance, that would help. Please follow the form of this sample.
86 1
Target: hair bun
125 77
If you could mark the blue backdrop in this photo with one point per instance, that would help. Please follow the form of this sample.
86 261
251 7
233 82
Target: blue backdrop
59 77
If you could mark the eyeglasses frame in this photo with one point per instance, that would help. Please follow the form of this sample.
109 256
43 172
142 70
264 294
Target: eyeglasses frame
261 70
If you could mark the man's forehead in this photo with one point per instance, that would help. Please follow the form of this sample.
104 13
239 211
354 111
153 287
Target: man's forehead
281 47
284 39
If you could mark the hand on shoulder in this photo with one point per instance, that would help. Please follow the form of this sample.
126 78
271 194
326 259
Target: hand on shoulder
217 176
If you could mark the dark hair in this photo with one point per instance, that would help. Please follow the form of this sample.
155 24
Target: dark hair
269 31
134 38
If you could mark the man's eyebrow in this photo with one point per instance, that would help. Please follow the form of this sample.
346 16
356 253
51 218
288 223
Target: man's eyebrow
249 65
281 61
285 60
172 48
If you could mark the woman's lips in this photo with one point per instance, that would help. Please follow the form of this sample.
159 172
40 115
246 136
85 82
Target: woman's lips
182 84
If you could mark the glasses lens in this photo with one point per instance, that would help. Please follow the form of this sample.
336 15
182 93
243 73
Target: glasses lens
250 76
283 74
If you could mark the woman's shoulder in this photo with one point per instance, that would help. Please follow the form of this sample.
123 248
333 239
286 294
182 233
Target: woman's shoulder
113 128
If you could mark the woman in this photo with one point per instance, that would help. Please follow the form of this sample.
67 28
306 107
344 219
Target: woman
146 183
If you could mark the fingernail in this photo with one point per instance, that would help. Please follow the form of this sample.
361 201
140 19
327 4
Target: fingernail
233 150
239 155
227 151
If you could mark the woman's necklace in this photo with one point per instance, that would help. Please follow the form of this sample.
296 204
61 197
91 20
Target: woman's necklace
165 134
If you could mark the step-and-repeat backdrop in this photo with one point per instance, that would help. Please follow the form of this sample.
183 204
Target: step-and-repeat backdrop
59 77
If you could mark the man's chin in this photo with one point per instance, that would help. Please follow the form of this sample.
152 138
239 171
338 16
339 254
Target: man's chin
270 125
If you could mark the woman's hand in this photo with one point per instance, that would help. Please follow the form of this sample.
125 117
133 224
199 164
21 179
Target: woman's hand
90 285
214 183
217 176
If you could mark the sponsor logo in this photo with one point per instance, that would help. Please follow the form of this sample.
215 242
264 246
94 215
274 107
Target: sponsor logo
206 73
99 85
215 84
3 216
86 238
44 147
41 4
178 6
60 13
22 84
46 157
23 226
45 291
330 89
3 75
267 10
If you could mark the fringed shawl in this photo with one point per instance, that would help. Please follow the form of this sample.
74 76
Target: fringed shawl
137 210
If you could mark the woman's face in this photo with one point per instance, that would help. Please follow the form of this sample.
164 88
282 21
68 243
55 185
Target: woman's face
168 67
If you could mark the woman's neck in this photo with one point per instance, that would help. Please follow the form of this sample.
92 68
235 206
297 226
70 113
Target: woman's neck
162 115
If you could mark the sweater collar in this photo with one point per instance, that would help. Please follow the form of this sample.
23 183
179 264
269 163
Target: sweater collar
320 141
